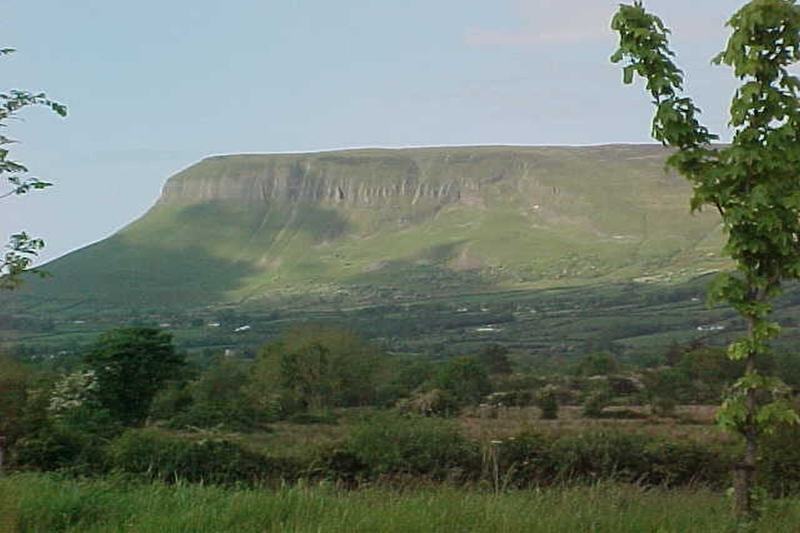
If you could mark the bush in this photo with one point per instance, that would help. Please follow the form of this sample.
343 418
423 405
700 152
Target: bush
598 398
14 381
779 464
164 457
465 379
220 415
324 417
525 460
217 400
531 459
435 402
389 444
547 401
74 442
637 459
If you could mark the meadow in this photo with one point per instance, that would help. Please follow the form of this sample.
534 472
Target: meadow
41 503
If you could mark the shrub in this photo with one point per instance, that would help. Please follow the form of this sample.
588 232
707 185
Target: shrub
547 401
74 441
316 367
435 402
164 457
591 456
525 460
663 389
389 444
779 464
322 417
595 402
531 459
638 459
675 464
465 379
14 381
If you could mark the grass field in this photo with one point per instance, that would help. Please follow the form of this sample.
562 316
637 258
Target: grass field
38 503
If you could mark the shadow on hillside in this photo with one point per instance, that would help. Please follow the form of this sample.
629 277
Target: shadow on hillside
113 274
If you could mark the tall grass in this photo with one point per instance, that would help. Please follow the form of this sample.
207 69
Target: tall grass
41 503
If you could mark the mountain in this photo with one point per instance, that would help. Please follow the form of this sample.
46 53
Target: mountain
373 224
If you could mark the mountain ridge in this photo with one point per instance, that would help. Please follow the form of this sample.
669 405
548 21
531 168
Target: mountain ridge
410 220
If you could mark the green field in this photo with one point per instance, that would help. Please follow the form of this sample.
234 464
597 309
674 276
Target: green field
38 503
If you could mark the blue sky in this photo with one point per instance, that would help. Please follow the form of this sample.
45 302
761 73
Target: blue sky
154 86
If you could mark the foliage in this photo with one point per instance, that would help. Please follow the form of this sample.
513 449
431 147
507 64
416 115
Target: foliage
74 441
597 364
754 184
779 463
389 444
434 402
547 401
22 248
709 370
160 456
218 399
130 365
531 459
315 368
465 379
663 389
13 396
495 358
597 398
73 391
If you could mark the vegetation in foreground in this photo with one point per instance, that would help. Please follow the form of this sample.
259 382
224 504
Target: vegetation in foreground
752 183
41 503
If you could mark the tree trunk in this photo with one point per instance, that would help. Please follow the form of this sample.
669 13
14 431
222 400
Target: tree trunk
744 473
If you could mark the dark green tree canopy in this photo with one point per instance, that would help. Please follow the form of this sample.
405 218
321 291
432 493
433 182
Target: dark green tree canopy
317 367
131 365
465 378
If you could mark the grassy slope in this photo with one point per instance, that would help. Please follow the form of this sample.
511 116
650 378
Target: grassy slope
528 218
38 503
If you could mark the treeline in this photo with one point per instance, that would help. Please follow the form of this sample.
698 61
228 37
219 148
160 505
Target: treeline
133 403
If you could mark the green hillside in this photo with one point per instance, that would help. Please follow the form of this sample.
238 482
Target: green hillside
405 224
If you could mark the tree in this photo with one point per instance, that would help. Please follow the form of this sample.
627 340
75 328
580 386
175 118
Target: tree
663 389
754 184
495 358
315 367
13 395
464 378
22 249
130 366
216 399
597 364
547 401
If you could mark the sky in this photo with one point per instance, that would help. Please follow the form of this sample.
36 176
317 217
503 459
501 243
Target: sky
154 86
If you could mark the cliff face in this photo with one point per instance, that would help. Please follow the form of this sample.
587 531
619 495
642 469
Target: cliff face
430 220
364 178
358 180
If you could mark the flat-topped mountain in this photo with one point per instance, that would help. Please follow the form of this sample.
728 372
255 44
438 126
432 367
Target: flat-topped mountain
416 222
